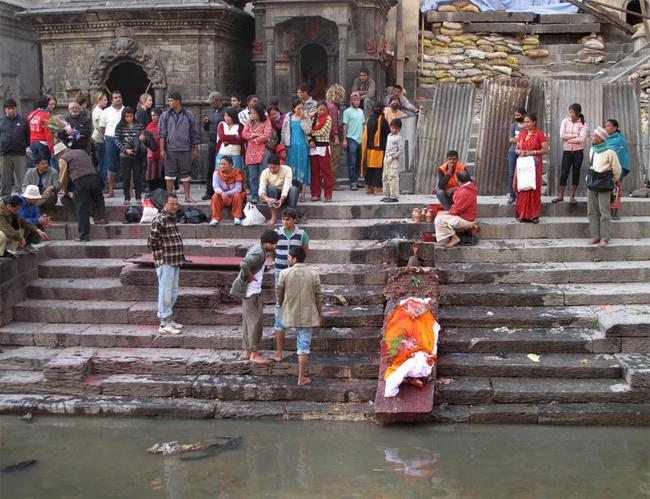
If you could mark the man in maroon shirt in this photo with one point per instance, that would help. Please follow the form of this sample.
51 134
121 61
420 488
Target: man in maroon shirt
462 215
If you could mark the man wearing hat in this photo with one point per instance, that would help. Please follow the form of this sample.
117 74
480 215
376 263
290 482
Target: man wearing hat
210 122
30 211
14 229
75 165
179 143
14 139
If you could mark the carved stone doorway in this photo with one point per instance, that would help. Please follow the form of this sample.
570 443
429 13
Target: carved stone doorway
313 69
130 79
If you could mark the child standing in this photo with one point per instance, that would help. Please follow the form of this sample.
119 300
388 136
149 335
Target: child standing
392 158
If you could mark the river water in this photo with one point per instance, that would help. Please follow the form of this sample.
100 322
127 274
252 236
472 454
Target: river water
107 458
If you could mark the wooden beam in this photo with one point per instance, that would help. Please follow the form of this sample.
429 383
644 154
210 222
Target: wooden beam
626 11
645 20
605 16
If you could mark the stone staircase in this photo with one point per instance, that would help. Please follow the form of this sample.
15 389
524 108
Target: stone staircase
85 339
625 66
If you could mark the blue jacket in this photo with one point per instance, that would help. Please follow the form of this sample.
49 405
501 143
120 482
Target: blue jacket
179 130
29 212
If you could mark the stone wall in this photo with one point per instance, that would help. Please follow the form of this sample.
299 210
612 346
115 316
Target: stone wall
15 276
19 60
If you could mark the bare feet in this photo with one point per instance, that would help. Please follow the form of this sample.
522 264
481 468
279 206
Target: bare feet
573 201
277 357
603 243
417 382
273 221
189 200
302 199
593 241
304 381
453 241
475 228
256 358
109 194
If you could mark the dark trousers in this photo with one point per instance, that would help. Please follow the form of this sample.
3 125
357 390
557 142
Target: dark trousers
292 197
571 162
88 192
209 168
131 166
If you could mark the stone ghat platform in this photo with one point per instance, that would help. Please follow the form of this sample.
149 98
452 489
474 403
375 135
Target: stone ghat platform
537 327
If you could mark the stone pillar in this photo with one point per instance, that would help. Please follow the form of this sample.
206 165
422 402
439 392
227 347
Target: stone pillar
160 97
343 55
269 37
331 70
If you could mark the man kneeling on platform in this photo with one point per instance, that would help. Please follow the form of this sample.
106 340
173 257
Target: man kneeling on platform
16 232
228 185
276 189
300 299
461 216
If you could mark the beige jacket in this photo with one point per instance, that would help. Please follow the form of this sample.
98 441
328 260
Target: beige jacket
604 161
299 296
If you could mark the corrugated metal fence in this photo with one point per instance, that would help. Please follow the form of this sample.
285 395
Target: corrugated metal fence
500 98
443 126
622 102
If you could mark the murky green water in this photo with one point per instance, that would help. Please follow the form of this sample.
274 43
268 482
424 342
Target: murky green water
102 458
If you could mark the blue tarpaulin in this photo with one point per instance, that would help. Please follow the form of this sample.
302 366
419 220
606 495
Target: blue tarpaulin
534 6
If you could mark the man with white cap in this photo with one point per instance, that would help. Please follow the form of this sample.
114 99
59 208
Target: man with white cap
30 211
210 123
604 170
46 179
75 165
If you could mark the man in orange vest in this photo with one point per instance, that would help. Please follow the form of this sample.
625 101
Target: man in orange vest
447 180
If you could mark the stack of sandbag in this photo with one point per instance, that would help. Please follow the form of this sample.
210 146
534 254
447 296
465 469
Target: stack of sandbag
593 49
530 47
448 55
644 77
459 6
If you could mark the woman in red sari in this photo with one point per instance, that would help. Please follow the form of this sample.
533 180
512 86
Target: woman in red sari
532 142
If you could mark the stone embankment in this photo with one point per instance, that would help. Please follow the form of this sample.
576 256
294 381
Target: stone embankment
537 327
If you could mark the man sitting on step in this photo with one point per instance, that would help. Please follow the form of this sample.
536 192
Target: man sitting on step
448 179
461 216
14 230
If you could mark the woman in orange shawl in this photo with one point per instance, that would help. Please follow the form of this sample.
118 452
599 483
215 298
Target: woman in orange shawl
227 182
373 146
410 344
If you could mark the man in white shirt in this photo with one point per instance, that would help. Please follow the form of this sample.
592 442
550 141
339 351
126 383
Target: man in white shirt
276 189
245 114
108 120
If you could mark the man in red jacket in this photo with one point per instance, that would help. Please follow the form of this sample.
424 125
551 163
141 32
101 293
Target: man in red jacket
461 216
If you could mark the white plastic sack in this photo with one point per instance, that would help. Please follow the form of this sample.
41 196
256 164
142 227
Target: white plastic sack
526 174
148 214
252 215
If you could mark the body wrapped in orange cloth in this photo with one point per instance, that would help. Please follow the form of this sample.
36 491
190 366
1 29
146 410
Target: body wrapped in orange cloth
410 343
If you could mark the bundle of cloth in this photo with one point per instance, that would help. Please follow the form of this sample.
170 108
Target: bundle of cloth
410 344
534 6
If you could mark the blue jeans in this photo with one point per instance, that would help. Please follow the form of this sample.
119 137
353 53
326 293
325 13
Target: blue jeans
303 340
292 197
40 151
512 164
444 198
167 289
254 171
100 155
111 157
354 151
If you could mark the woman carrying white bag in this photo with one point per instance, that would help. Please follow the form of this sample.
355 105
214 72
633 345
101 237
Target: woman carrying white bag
527 182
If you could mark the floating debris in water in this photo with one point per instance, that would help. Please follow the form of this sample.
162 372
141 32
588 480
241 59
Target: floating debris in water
197 450
172 448
19 466
27 417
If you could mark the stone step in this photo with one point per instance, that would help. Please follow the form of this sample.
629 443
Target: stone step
552 365
546 273
27 358
369 207
183 408
131 312
231 388
332 251
330 339
564 227
545 294
340 274
76 268
517 317
166 361
188 297
478 390
23 382
112 289
526 340
540 251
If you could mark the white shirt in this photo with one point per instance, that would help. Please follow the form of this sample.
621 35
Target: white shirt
109 119
230 149
255 287
244 116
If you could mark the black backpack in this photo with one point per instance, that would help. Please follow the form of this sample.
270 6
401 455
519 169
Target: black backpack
191 215
132 215
157 197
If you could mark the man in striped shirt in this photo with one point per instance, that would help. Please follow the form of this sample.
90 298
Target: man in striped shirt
166 243
289 236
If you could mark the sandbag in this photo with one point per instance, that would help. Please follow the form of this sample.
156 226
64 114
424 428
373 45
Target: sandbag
451 32
470 8
449 79
452 25
537 53
464 81
444 67
475 54
442 38
447 8
457 73
595 44
530 40
503 69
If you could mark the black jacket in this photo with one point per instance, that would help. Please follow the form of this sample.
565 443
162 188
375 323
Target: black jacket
215 116
14 135
84 126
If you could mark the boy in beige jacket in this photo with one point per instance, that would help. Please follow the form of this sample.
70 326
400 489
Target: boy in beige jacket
299 297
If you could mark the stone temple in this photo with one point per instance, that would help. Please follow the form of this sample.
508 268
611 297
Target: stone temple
193 46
